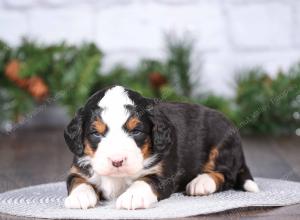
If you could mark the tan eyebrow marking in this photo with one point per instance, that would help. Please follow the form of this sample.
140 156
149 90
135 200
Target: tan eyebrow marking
132 123
100 126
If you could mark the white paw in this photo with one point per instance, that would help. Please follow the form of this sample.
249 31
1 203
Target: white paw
202 185
251 186
82 197
138 196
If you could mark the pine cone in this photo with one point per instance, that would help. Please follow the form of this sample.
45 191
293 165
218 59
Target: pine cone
157 80
34 85
12 72
37 88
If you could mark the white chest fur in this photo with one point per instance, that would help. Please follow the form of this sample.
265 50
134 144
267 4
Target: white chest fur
110 187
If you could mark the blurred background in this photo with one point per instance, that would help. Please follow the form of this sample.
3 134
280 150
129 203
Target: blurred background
241 57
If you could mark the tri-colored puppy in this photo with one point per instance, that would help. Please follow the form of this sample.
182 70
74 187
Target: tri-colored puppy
138 151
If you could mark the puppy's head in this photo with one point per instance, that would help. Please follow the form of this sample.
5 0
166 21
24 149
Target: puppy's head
115 133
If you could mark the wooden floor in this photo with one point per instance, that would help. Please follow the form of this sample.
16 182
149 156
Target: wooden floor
32 157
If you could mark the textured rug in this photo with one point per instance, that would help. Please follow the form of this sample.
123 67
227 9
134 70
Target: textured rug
46 201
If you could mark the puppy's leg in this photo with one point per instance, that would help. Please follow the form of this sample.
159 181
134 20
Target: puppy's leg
138 196
245 180
224 169
209 180
81 194
146 191
203 184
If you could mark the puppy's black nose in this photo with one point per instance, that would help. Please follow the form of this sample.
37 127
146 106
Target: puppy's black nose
117 163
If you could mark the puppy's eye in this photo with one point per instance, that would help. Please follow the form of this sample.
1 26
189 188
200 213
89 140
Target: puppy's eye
135 132
95 134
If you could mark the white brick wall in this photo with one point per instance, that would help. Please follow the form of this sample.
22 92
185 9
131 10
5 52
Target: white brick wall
261 26
230 34
53 24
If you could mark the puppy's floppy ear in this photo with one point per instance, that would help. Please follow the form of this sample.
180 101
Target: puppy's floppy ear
73 134
163 131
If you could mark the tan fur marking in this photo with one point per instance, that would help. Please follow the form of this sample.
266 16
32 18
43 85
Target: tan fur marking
74 170
76 181
88 150
218 178
132 123
100 126
209 167
79 180
146 148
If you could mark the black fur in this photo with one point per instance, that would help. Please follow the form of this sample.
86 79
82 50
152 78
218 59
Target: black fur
73 134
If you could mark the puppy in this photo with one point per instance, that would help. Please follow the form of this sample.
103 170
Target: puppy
139 151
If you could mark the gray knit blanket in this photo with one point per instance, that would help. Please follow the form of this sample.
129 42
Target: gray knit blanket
47 201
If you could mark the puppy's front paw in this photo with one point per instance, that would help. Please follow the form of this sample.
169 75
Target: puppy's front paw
138 196
82 197
202 185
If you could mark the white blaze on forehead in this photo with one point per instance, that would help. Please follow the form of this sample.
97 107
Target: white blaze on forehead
116 142
113 105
